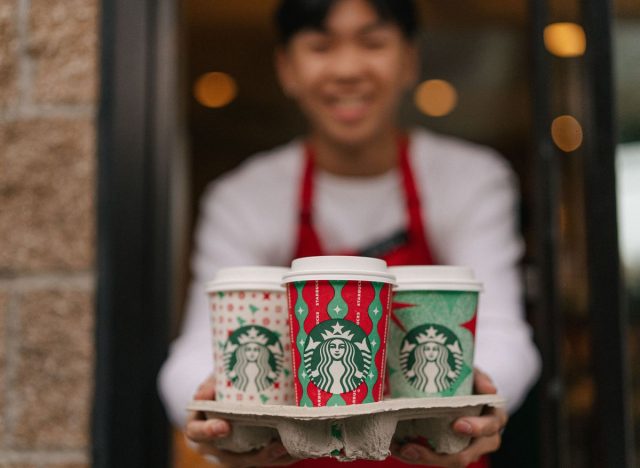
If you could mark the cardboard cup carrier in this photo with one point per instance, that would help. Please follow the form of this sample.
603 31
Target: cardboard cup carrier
249 321
339 309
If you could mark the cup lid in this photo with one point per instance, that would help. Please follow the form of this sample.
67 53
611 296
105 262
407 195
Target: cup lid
435 278
248 278
339 267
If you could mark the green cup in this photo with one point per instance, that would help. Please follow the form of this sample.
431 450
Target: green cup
432 331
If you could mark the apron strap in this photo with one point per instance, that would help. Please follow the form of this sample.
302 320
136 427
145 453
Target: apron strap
417 250
308 241
416 227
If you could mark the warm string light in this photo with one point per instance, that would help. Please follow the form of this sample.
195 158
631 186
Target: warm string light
215 89
565 39
436 98
566 133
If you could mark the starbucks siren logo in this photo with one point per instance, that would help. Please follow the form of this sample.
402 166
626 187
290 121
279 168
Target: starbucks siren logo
337 356
253 358
431 358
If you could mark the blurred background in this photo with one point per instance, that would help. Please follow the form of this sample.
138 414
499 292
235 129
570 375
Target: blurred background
115 115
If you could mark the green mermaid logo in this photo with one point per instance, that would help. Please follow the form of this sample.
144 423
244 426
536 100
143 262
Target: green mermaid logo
431 358
253 358
337 356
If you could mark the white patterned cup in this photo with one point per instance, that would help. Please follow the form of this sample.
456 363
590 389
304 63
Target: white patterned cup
251 348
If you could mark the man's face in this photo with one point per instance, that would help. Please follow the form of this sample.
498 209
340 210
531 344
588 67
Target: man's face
349 78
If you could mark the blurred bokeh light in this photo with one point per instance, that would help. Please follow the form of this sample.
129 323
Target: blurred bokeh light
215 89
566 132
565 39
436 98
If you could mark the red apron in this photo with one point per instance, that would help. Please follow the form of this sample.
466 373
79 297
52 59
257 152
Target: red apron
405 248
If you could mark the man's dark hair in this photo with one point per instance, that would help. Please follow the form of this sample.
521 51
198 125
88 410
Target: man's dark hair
292 16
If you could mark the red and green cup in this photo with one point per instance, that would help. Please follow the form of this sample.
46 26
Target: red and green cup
338 313
432 331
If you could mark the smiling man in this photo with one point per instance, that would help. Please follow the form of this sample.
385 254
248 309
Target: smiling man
358 184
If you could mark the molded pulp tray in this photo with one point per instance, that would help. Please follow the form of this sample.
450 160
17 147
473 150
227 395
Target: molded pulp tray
347 432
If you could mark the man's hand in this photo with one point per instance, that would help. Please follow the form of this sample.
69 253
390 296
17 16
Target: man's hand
201 434
484 429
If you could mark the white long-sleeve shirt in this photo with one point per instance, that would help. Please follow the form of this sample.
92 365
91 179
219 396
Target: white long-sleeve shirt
468 194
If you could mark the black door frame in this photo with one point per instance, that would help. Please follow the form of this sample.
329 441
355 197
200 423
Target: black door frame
612 426
138 133
609 319
138 141
547 319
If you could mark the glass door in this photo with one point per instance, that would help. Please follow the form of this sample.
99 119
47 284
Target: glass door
583 322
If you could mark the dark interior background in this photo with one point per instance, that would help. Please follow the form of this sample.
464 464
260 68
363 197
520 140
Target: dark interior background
483 48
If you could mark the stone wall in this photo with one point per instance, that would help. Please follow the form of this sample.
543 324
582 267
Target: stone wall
48 83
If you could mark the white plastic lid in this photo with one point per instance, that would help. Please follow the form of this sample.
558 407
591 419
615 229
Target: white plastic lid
337 267
435 278
253 278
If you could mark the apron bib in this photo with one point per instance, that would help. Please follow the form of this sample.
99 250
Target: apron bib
410 247
404 248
